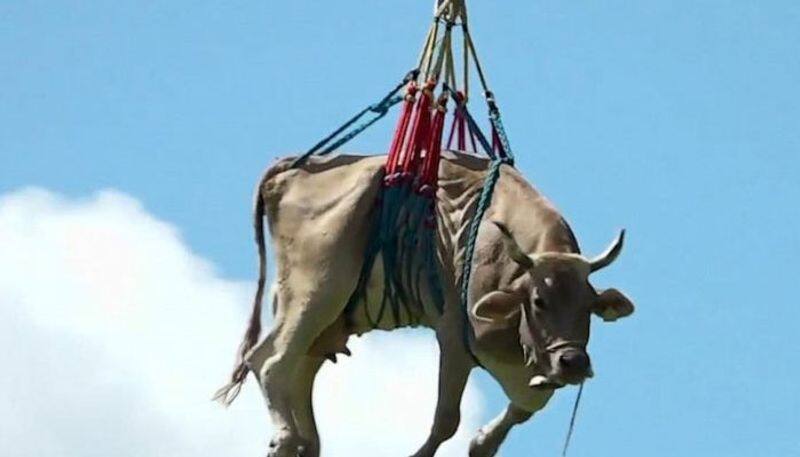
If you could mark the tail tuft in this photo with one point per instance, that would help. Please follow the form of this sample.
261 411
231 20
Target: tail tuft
228 393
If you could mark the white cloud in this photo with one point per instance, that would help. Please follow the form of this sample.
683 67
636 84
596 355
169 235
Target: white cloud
114 335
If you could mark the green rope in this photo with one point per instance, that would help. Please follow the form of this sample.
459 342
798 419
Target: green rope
497 123
407 248
483 204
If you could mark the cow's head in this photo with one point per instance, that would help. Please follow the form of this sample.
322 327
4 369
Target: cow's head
548 314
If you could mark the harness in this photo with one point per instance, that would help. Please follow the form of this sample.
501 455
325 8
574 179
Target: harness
404 232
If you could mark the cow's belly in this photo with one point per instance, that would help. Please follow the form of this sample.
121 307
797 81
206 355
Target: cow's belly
375 310
371 312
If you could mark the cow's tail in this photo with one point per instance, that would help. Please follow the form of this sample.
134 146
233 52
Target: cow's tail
226 394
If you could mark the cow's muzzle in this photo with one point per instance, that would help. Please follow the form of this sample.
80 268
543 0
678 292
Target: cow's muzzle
570 365
574 365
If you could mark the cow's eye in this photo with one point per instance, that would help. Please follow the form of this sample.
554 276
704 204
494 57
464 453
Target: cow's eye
539 303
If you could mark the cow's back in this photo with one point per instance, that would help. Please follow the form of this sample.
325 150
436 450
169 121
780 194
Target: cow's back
321 184
326 195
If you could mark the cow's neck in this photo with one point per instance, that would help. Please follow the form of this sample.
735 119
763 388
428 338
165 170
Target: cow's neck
536 224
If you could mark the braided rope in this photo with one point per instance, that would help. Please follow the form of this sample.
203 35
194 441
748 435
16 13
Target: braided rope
497 123
483 204
379 109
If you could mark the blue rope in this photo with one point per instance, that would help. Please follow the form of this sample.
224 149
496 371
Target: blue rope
473 127
471 124
380 109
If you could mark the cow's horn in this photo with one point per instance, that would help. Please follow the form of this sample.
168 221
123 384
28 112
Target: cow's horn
605 259
513 248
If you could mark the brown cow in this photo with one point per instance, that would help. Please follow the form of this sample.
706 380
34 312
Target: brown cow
530 300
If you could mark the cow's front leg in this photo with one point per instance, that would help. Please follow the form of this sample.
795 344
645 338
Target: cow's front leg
455 363
490 437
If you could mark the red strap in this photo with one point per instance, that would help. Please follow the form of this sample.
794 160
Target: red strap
458 128
420 130
462 127
430 168
393 160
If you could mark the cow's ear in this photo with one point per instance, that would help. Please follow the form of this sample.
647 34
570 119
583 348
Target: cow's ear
497 307
495 322
612 304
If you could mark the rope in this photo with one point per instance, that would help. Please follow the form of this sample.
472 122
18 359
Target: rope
423 54
380 109
572 421
500 131
483 204
428 56
444 47
473 127
471 49
466 66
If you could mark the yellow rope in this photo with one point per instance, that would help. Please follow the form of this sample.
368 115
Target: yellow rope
437 60
423 54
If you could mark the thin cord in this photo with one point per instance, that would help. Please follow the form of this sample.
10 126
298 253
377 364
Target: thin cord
572 421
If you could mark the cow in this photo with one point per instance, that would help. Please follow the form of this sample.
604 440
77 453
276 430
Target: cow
526 319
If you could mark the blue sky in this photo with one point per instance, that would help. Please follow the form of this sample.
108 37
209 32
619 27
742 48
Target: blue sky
677 120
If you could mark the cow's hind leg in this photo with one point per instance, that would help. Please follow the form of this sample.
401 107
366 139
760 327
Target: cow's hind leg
490 437
303 407
305 307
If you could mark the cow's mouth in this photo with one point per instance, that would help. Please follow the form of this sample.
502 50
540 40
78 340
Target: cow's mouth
540 382
557 381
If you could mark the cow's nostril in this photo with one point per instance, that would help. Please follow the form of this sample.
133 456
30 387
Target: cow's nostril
574 361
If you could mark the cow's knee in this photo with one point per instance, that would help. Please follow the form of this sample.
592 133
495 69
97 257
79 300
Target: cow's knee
486 443
489 438
254 360
518 415
275 373
264 350
444 429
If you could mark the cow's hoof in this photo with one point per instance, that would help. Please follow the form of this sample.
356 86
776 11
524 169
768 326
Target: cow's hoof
483 445
285 445
286 452
308 449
